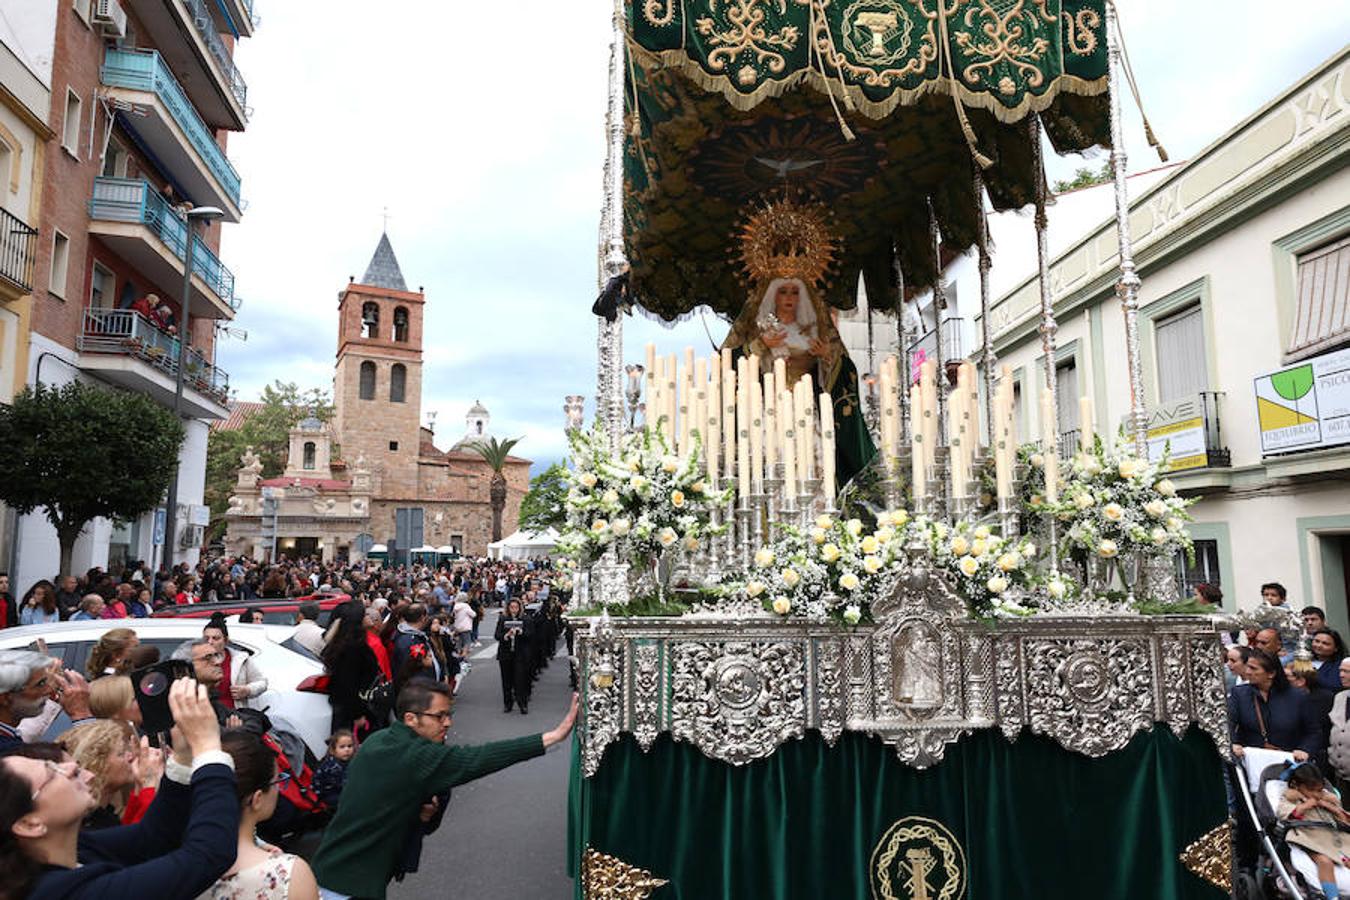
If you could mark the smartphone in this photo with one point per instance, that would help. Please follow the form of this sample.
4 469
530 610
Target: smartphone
151 685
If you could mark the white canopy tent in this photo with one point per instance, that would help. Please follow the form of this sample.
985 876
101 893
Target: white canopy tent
524 545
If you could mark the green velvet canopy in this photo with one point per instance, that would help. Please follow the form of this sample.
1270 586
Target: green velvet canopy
869 106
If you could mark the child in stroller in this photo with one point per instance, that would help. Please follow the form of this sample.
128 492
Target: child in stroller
1316 821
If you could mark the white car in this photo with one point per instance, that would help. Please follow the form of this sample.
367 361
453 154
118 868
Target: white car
303 712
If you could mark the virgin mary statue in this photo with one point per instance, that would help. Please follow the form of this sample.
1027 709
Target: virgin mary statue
787 321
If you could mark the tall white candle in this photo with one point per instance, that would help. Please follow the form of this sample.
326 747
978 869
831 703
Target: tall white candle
918 454
1086 426
756 435
888 448
772 429
671 398
789 444
806 427
712 428
732 420
928 391
827 446
743 428
779 376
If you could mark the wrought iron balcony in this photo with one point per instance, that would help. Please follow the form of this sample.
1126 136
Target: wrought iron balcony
951 341
124 332
146 71
136 202
1068 442
18 250
205 24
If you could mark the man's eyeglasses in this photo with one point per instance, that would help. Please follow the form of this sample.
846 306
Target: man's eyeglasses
69 770
280 780
212 657
442 717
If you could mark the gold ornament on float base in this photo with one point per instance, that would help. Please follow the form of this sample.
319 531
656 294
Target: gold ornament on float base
788 238
605 877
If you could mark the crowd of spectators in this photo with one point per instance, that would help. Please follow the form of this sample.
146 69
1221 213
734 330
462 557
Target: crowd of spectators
106 809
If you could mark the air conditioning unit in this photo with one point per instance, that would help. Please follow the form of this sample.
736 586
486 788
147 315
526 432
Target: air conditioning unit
110 18
191 536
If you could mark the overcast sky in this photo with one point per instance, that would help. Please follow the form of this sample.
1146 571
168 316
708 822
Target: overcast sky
480 127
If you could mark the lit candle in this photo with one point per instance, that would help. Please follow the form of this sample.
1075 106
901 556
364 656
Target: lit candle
779 376
1085 424
827 446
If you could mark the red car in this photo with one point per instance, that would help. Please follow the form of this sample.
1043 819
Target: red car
275 611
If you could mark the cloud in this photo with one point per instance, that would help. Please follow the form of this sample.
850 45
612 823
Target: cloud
480 128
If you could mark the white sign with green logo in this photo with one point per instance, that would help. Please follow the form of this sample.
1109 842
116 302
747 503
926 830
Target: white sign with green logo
1305 406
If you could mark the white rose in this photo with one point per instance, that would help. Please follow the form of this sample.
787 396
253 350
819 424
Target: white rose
610 497
754 588
1166 488
782 605
899 518
848 581
872 564
870 544
997 585
1092 467
691 543
1008 561
1029 550
982 532
1156 508
885 535
790 577
960 546
1130 467
677 499
669 464
1107 549
1113 512
1173 523
824 521
818 535
969 566
852 614
1055 589
667 536
697 487
830 553
620 527
1037 460
978 547
588 480
884 519
853 527
763 557
1083 500
1158 535
637 482
599 525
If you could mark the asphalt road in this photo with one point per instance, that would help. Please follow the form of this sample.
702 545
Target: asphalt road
504 836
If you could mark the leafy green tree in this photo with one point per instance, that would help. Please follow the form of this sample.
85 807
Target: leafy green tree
495 454
267 431
1084 178
81 452
542 507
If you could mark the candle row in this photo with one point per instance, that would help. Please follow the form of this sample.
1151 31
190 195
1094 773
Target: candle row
754 420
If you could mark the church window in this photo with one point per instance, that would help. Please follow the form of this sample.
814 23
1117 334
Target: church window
479 425
370 320
401 324
309 454
367 380
398 382
393 445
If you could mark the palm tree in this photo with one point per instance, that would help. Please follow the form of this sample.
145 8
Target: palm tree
495 453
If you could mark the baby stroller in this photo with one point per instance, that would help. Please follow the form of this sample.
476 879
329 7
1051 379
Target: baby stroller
1281 869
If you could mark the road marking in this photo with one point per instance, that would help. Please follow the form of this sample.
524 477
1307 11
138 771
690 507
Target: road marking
488 651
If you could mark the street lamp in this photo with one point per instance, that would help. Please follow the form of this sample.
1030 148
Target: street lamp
196 214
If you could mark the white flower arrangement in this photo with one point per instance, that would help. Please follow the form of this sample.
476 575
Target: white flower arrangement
1114 504
641 501
992 574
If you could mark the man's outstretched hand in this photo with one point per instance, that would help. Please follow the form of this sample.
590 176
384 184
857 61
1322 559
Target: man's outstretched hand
559 734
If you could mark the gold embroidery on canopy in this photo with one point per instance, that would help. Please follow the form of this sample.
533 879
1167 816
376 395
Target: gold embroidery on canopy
742 30
1078 31
1006 35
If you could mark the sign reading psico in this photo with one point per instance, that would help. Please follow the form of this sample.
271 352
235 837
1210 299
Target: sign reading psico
1305 406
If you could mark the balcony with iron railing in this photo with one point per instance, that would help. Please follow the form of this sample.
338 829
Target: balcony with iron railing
18 250
169 126
952 344
205 25
110 338
158 242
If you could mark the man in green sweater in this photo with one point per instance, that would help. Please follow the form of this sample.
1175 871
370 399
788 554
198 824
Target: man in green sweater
391 776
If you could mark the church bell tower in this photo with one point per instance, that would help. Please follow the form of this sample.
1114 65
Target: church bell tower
377 383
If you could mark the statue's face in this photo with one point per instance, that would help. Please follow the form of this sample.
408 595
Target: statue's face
785 302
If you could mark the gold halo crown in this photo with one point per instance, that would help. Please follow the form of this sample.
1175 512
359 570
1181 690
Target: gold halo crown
788 238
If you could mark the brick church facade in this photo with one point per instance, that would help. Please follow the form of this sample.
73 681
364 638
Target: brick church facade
375 475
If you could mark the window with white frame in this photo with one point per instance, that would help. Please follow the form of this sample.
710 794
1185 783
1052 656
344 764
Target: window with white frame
70 126
60 264
1066 392
100 288
1322 299
115 160
1179 342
